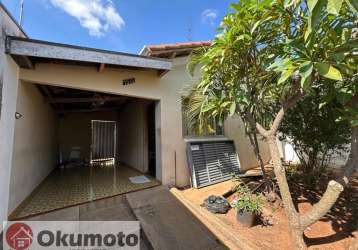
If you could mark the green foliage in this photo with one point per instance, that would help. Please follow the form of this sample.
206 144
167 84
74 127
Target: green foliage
233 74
245 200
249 203
314 131
293 173
334 6
264 45
268 55
345 93
328 71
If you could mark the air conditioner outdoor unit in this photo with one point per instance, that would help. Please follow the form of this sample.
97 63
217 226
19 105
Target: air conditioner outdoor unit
211 160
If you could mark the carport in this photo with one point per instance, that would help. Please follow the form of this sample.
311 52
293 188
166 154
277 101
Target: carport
74 144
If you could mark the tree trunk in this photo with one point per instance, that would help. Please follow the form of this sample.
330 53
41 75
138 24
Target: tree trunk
292 214
335 187
298 223
259 158
255 145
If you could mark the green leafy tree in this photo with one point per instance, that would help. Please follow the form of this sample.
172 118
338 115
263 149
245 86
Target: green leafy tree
314 132
268 56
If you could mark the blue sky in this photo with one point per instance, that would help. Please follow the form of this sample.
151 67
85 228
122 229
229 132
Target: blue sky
121 25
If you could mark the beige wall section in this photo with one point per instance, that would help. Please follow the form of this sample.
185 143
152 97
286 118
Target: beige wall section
234 129
158 141
7 121
75 131
148 85
9 78
133 136
167 90
35 152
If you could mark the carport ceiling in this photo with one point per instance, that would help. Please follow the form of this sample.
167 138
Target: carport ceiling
65 100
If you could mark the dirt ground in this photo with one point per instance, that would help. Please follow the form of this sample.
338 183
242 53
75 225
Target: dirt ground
335 231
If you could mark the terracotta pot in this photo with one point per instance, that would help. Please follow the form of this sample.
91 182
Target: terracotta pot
246 219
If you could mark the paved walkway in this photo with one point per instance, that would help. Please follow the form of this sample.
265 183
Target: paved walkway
111 209
167 223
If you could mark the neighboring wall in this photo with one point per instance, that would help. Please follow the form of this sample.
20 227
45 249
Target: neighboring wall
35 152
133 136
9 73
337 160
75 131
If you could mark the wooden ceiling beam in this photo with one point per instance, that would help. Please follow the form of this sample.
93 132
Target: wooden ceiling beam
24 62
162 72
83 99
101 67
173 55
87 110
124 104
48 94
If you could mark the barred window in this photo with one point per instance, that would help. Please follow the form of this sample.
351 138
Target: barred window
190 132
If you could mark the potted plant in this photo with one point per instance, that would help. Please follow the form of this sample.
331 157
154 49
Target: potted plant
247 204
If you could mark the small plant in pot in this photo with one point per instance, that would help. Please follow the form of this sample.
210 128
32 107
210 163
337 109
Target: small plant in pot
247 204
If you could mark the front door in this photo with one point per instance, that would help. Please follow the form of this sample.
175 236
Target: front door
103 148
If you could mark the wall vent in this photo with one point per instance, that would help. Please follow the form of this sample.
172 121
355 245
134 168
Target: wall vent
211 161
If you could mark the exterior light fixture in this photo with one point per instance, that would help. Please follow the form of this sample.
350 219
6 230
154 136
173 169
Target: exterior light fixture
18 115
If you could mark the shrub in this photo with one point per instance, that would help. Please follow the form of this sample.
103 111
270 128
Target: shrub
314 132
245 200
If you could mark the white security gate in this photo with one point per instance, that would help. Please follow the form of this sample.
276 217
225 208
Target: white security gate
103 148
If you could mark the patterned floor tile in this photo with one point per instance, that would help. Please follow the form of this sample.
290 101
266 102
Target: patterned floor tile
68 187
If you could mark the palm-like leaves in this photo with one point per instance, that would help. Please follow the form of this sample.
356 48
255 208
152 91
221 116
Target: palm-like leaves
263 46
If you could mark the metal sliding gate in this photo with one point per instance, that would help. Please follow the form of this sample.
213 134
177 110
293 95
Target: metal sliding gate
103 148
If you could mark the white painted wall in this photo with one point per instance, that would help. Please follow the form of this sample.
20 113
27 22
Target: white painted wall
288 153
8 109
339 160
35 151
9 75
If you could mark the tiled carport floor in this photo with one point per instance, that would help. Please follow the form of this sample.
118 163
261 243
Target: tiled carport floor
73 186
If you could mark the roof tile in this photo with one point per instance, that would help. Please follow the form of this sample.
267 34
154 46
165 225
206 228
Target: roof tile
182 45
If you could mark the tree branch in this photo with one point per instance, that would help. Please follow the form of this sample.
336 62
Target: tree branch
257 125
335 187
286 105
250 119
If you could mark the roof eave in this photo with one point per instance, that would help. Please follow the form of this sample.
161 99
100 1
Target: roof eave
173 50
23 49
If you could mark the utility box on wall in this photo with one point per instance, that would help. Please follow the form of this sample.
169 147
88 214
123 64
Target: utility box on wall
211 160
